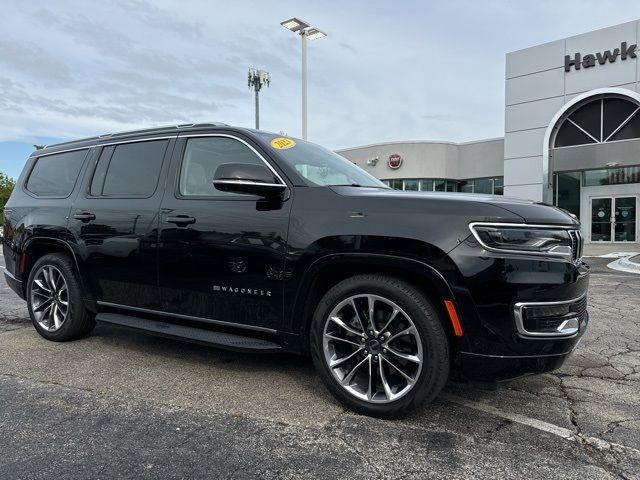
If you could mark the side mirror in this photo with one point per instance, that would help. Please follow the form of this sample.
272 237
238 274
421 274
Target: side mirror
247 178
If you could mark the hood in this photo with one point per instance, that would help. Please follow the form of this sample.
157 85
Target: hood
528 211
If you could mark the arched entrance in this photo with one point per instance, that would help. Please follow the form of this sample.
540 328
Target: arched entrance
591 163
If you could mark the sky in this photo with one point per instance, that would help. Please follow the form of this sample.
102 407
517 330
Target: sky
387 71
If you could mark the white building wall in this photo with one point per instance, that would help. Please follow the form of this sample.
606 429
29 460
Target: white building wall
537 86
455 161
480 159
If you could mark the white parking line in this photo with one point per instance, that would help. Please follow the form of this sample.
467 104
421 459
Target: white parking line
562 432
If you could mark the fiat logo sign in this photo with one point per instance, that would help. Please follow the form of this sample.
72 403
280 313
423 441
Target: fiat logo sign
395 161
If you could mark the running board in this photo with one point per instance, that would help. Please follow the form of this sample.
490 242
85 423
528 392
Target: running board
189 334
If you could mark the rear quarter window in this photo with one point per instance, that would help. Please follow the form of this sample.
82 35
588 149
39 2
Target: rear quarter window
55 175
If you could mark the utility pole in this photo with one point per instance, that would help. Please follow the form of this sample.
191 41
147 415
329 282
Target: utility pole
257 79
303 35
306 32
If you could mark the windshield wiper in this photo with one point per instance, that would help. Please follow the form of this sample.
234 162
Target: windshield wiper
357 185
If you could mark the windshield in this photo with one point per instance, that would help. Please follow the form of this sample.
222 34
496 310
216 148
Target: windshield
320 166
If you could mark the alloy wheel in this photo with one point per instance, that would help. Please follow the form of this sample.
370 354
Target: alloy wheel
49 298
372 348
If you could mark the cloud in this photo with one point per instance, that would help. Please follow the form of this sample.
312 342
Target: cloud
405 70
162 20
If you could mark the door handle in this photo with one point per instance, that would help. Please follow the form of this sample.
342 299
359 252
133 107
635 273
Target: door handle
84 216
181 220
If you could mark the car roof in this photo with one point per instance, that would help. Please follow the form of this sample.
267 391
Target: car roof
133 134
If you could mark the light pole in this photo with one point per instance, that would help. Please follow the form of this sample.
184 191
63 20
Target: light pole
306 32
257 79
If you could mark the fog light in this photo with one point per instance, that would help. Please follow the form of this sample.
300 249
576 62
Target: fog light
547 311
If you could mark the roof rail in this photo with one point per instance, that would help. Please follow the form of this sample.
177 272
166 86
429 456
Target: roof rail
162 129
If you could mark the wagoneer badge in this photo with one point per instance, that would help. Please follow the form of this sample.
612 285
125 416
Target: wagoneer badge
244 291
395 160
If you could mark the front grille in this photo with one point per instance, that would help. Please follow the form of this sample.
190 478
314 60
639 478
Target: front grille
577 244
580 307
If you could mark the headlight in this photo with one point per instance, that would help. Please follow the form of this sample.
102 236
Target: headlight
523 239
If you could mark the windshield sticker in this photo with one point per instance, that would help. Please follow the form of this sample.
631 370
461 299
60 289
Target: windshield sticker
282 143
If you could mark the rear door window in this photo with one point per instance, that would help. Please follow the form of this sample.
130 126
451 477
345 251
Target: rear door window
55 175
129 170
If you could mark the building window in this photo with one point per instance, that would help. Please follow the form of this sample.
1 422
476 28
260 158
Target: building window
611 176
473 185
603 120
426 185
395 184
498 186
567 184
411 185
483 185
567 191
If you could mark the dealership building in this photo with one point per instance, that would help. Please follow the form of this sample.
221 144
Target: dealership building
572 136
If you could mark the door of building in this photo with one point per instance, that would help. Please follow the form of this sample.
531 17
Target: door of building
613 219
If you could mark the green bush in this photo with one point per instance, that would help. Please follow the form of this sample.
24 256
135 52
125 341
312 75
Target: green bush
6 187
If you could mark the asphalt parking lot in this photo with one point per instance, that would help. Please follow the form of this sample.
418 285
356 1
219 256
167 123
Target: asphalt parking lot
123 405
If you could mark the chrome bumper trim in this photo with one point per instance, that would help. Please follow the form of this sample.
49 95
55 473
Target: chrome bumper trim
570 333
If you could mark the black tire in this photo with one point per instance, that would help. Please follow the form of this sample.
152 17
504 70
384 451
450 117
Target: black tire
78 321
435 346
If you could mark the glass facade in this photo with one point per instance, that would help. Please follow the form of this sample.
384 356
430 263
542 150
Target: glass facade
567 191
483 185
411 185
605 119
498 186
611 176
395 184
567 184
426 185
493 185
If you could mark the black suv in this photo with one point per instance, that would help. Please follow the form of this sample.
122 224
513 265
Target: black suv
253 241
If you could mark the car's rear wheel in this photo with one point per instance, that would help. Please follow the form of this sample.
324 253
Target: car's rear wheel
379 345
54 300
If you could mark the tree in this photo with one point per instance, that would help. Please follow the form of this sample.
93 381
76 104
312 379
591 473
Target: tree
6 187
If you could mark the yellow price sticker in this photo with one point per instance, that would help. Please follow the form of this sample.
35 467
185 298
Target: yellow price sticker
282 143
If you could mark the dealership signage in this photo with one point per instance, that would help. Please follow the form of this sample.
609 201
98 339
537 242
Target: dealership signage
577 61
395 161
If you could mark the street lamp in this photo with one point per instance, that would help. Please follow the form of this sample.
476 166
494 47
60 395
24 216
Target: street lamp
306 32
257 79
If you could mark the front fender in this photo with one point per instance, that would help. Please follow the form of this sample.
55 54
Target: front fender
303 290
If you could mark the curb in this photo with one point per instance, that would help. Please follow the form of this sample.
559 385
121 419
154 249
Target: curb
624 264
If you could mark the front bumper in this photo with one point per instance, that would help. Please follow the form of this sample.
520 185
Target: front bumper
499 368
508 304
15 285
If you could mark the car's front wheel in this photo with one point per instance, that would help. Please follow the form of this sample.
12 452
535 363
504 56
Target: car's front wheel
379 345
54 300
